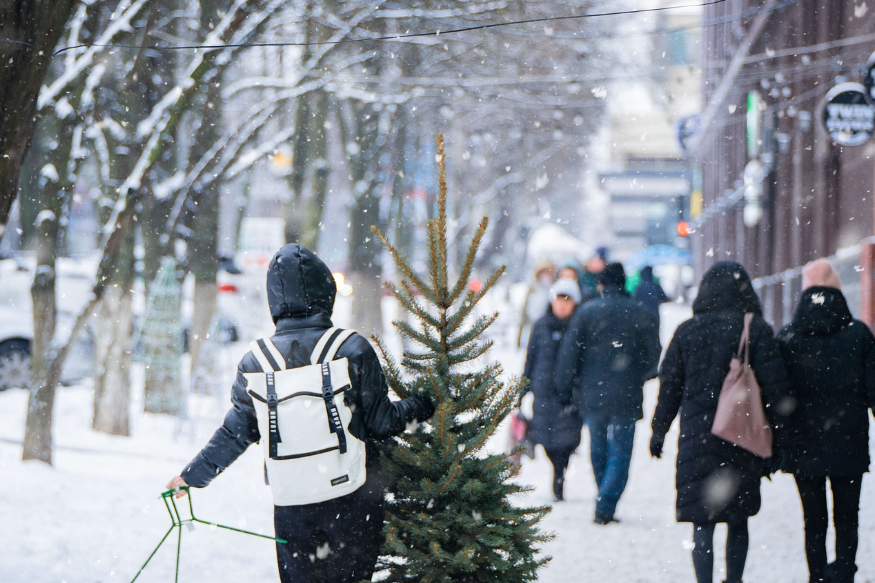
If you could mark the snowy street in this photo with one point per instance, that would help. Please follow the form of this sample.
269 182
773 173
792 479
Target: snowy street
95 516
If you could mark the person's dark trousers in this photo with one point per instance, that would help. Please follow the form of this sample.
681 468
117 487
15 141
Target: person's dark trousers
559 458
337 541
611 440
846 510
737 543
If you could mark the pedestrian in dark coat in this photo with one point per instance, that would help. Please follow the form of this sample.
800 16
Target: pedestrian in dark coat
555 427
649 294
337 540
610 350
830 358
716 480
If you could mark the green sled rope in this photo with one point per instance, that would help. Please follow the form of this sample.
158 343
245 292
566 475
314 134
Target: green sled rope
177 521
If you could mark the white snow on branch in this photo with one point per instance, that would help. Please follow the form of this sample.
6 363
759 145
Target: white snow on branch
446 13
45 216
168 186
119 23
50 173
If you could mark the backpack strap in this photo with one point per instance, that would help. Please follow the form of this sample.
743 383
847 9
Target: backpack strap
271 361
334 423
322 355
268 356
274 437
337 339
320 345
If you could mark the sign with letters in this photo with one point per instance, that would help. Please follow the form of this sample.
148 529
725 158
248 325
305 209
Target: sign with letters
848 116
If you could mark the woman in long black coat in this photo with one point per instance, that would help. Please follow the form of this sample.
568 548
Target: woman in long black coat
554 427
830 358
717 482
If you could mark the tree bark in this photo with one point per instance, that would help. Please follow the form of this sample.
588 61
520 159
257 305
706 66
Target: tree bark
204 244
40 405
112 395
53 191
365 269
321 170
31 31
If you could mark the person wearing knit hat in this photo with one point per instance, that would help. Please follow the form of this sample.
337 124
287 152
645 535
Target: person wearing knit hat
566 287
610 350
830 358
552 426
613 276
820 273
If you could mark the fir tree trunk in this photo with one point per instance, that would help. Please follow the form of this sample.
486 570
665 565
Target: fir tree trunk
112 395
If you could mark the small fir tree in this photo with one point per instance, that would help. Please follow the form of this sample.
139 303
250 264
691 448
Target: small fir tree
450 516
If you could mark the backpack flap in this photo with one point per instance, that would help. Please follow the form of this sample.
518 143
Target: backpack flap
301 408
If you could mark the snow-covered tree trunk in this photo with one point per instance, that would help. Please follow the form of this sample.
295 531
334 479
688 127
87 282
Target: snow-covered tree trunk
40 405
315 206
112 394
292 210
30 31
53 190
204 243
112 351
363 141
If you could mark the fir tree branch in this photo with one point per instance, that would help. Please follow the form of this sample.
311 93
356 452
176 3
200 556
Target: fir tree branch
390 368
468 265
402 264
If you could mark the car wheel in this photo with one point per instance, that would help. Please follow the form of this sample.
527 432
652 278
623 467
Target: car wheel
14 364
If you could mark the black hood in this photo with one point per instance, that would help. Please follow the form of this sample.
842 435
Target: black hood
822 311
299 284
726 286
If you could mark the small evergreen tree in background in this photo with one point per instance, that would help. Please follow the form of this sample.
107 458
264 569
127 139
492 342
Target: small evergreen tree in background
449 516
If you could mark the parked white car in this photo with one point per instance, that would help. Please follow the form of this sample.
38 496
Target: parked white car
16 318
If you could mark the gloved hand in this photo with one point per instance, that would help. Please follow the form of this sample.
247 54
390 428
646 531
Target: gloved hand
424 408
656 443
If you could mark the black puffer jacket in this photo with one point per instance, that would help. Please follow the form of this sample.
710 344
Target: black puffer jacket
830 358
551 426
717 481
610 350
300 292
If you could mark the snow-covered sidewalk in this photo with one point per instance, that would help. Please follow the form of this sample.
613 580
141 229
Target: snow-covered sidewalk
95 515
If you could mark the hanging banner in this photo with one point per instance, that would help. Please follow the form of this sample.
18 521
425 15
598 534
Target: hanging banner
848 116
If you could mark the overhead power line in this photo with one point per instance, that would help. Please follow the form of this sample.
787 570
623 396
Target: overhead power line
396 37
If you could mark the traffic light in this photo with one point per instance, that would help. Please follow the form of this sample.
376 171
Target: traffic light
683 228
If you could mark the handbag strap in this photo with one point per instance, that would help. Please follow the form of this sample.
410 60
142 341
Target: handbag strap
743 352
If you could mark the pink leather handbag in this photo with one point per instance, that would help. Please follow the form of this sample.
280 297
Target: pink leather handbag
741 417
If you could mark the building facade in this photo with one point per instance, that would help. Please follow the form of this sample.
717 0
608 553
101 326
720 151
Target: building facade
776 191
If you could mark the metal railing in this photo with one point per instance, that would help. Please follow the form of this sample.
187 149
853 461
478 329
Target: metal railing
779 293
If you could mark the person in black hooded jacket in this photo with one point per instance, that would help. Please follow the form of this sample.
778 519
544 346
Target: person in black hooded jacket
610 349
830 358
337 540
717 481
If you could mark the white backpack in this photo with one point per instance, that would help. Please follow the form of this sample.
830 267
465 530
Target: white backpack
310 455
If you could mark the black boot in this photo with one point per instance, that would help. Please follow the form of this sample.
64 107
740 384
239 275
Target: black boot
558 486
